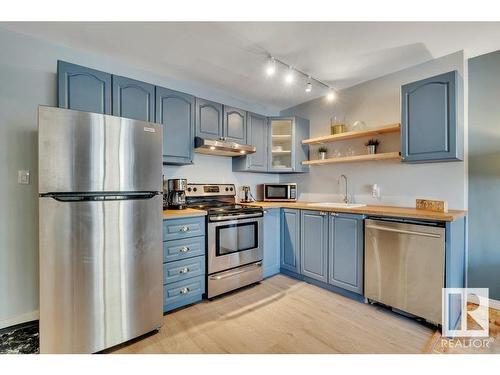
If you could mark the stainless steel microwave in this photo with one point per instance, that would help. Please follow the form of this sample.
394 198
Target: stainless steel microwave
277 192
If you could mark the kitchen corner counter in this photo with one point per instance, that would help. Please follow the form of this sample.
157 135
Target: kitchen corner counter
188 212
388 211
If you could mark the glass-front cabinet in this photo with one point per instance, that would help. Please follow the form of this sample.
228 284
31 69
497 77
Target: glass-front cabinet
286 152
281 144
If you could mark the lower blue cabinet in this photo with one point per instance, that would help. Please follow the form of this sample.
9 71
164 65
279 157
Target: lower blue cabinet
183 293
290 240
314 244
345 251
184 262
271 262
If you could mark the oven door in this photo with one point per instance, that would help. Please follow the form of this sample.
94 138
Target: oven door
234 242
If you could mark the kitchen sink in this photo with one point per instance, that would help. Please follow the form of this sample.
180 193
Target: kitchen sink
337 205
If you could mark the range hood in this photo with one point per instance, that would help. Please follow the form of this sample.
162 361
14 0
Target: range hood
221 147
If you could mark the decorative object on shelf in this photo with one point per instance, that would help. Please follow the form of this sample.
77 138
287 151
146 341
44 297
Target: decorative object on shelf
322 152
337 125
357 126
277 148
432 205
371 146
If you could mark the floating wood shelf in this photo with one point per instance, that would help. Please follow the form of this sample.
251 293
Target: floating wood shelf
350 135
355 158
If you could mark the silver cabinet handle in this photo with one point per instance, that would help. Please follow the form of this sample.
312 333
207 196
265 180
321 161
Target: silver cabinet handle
265 211
184 291
184 249
184 270
386 229
334 214
322 213
184 228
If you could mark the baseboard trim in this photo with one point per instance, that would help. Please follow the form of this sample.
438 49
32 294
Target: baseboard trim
18 319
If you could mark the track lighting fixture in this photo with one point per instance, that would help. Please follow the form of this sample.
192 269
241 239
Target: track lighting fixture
291 74
271 67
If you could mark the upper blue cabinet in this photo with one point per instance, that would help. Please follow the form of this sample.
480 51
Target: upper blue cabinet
235 125
431 118
176 111
83 89
133 99
208 119
285 149
257 135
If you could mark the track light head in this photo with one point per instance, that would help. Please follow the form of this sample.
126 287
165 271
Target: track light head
309 87
271 67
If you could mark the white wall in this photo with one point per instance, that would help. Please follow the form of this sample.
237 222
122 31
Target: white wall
377 103
28 79
216 169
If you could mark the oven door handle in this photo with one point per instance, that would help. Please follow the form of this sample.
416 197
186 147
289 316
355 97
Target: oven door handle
233 217
237 272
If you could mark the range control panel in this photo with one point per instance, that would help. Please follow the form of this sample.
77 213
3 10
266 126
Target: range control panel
205 190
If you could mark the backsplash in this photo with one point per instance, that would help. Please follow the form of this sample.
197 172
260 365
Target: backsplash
216 169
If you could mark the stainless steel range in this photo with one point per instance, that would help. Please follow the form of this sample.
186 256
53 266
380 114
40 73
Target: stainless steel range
234 237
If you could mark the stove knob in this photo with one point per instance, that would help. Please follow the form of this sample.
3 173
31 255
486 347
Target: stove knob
194 189
189 189
227 189
231 189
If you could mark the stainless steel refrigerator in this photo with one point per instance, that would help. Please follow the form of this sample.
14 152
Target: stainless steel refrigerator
100 229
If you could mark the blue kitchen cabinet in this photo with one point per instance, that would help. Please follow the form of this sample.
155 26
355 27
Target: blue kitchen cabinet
314 244
176 111
208 119
285 149
184 262
133 99
345 251
271 261
234 125
83 89
290 240
257 135
430 116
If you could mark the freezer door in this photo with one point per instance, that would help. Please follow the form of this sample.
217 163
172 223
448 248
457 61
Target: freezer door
100 273
90 152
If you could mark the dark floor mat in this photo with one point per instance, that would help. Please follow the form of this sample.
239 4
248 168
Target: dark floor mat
21 339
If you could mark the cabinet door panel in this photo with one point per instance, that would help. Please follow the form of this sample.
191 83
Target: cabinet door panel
290 240
235 125
208 119
175 110
346 252
314 244
133 99
257 136
83 89
429 119
271 261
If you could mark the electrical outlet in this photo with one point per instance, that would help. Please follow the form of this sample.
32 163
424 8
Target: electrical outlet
376 191
23 177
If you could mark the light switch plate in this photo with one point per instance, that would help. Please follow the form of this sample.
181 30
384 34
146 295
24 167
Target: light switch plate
23 177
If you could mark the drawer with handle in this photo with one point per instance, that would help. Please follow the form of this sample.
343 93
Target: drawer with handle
183 269
174 229
183 249
183 292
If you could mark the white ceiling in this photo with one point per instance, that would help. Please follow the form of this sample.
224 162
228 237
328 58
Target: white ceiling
231 56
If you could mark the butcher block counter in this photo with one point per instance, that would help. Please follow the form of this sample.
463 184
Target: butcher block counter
188 212
388 211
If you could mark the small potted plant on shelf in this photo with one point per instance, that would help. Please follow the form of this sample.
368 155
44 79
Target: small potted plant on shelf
371 146
322 152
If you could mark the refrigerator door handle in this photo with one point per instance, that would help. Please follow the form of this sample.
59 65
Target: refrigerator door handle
99 197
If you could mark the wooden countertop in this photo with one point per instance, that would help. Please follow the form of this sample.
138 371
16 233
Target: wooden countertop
188 212
390 211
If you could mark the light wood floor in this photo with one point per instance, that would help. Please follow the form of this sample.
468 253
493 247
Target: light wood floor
283 315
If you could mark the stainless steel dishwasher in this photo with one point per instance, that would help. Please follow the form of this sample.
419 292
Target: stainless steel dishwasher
404 265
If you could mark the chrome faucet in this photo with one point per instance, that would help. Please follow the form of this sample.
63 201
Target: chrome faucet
346 197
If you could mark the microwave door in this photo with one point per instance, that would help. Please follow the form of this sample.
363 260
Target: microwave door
276 192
